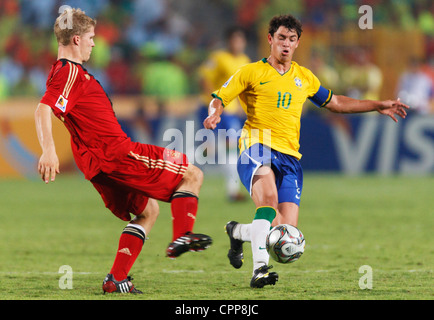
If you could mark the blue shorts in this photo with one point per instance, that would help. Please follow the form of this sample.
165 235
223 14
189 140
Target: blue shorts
287 169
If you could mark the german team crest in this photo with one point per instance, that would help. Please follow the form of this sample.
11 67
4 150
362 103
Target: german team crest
173 156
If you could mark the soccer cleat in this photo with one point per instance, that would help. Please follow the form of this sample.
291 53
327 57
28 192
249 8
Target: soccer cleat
235 253
261 277
189 242
110 285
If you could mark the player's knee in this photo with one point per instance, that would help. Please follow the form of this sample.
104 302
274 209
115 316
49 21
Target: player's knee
192 180
194 175
265 198
269 199
152 209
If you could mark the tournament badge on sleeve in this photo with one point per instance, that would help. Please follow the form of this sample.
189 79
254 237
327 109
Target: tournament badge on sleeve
61 103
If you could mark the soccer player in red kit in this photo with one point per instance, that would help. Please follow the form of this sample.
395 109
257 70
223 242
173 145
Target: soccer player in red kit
129 176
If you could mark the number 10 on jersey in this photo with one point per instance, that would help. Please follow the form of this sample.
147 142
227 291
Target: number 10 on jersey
284 100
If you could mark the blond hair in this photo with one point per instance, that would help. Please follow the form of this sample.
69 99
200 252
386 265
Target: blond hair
72 22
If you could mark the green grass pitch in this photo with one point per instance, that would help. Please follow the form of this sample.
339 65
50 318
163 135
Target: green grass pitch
385 223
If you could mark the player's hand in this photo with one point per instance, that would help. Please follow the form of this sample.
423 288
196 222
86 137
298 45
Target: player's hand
392 108
211 121
48 166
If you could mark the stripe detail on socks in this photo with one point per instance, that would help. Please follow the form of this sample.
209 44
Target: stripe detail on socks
265 213
135 230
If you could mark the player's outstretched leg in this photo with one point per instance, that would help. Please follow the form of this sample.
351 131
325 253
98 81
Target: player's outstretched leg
235 253
130 245
262 277
184 203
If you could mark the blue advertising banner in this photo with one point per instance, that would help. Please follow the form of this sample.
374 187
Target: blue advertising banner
367 143
350 144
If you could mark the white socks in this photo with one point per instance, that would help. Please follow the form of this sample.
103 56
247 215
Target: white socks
259 231
242 232
256 232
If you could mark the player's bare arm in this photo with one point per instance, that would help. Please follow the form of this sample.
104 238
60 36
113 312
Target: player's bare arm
214 112
48 165
391 108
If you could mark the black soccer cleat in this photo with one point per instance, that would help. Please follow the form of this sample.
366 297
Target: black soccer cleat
110 285
189 242
261 277
235 253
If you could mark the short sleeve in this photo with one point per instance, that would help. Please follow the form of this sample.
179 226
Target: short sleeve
233 87
63 89
321 97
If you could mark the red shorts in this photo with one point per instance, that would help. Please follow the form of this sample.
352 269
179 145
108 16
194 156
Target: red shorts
146 172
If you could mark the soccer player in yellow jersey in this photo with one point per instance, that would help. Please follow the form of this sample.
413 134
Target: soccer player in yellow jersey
273 91
220 65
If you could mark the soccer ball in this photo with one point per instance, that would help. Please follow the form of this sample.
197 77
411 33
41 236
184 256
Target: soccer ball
285 243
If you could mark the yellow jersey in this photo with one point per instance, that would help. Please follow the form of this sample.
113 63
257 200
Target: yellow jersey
273 103
218 68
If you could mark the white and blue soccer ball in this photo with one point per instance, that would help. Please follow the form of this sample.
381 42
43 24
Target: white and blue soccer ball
285 243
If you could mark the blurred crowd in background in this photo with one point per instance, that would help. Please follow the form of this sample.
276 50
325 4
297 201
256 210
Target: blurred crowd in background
154 47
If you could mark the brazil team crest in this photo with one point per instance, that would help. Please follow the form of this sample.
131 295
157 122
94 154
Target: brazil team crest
298 82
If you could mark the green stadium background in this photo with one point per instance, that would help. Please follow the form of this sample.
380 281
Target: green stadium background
147 56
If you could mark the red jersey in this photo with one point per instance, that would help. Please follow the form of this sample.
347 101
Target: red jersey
79 100
125 173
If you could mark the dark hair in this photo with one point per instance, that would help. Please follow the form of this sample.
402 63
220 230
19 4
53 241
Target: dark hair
288 21
229 32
